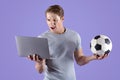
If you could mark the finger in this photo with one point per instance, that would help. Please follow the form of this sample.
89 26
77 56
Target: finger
34 57
97 56
38 58
30 57
100 57
105 55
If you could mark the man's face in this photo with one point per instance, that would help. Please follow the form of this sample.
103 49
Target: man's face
54 22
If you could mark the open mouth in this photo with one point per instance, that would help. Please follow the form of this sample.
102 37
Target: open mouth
52 28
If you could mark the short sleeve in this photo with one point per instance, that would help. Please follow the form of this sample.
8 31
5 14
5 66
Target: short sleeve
78 42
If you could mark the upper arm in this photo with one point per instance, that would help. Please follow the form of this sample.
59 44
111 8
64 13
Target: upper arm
78 43
78 53
78 50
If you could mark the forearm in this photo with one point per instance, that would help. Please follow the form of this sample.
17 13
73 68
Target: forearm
82 60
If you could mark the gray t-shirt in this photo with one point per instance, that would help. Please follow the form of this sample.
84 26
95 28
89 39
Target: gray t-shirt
61 46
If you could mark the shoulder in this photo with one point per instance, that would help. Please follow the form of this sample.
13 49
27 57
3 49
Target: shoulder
46 33
73 33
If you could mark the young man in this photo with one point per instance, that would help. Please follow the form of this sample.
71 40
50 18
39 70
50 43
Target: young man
64 46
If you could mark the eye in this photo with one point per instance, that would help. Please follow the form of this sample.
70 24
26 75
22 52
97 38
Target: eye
55 20
48 19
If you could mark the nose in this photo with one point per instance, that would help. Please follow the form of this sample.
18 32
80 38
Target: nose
53 23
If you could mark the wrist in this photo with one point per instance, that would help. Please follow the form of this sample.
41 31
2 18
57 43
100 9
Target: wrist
92 58
39 67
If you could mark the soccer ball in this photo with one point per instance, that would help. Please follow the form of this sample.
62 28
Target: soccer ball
100 45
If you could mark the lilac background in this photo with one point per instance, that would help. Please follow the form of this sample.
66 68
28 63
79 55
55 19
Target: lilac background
87 17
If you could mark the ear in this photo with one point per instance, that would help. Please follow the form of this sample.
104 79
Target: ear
62 18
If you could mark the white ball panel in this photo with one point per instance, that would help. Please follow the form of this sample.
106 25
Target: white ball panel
101 41
93 42
93 49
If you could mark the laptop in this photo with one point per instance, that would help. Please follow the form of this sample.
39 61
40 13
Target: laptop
32 45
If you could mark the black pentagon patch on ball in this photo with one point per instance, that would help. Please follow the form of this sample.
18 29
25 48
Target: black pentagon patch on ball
107 41
96 37
98 47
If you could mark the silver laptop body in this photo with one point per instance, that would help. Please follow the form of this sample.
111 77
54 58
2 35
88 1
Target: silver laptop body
32 45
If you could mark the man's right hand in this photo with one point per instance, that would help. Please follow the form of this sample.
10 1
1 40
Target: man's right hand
40 63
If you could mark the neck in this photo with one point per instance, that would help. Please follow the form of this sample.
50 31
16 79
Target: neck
63 29
60 31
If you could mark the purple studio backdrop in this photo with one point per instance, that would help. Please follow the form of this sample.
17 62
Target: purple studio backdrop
88 17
